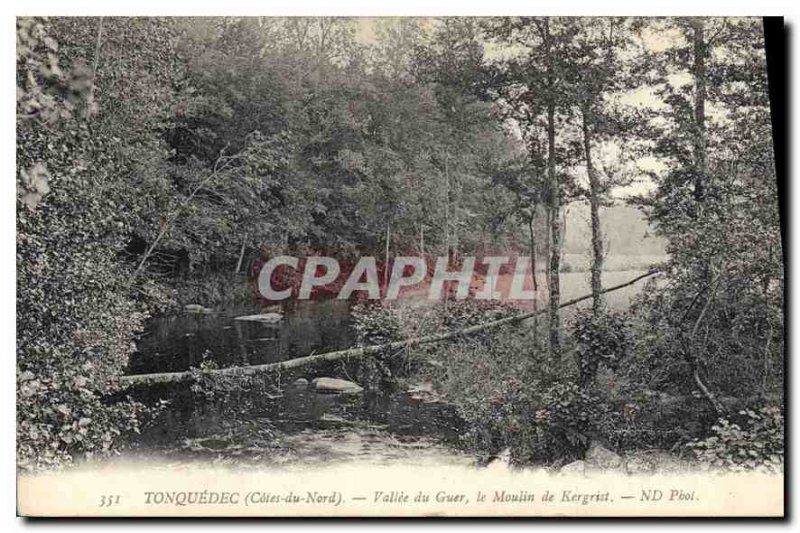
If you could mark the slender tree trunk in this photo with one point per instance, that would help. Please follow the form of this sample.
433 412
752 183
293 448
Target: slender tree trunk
701 185
98 41
555 206
532 237
693 357
446 208
564 227
548 245
386 255
532 234
594 207
447 224
454 217
765 377
699 71
241 258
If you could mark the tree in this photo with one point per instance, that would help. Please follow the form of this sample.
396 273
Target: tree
598 77
716 203
534 83
80 148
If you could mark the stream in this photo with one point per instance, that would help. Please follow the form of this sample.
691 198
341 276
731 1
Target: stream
287 422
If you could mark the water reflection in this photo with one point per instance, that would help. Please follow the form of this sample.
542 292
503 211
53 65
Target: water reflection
269 407
177 343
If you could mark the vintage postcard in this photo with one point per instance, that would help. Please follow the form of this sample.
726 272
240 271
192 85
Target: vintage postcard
399 266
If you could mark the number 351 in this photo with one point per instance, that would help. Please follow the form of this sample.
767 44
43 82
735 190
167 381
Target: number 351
107 500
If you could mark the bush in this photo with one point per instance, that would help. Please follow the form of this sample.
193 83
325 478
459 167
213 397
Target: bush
375 324
599 339
459 314
567 418
509 393
754 441
234 400
63 417
539 423
76 310
544 424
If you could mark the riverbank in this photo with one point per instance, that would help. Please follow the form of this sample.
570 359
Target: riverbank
216 340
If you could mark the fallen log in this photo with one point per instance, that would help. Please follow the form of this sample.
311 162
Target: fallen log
356 353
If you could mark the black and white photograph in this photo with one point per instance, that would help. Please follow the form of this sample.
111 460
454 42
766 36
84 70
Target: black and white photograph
400 266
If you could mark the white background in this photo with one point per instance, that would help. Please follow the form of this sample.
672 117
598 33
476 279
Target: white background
10 10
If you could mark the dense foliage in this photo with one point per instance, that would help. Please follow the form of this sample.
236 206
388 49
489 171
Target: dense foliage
506 391
76 317
600 339
755 443
160 160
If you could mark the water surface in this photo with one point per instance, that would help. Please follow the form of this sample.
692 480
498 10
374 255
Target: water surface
179 342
